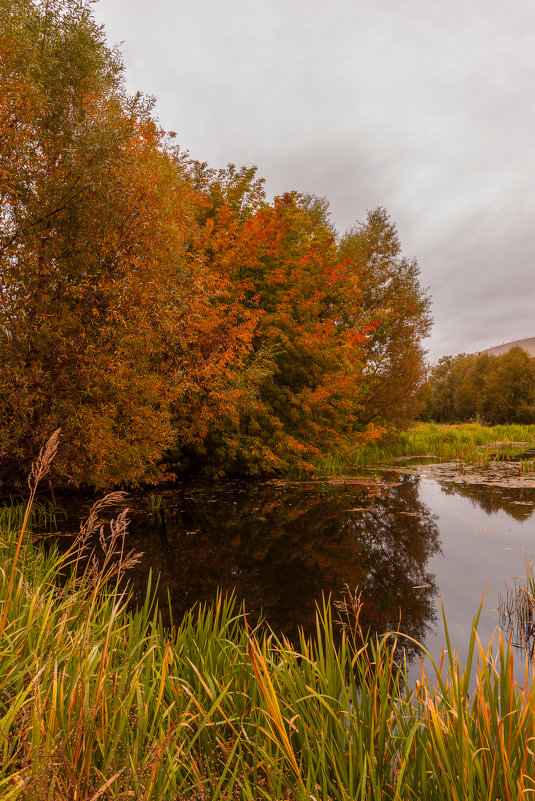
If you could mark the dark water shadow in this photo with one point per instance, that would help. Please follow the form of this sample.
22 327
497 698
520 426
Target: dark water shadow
281 547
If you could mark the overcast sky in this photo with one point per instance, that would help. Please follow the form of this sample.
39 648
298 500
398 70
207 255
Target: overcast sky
426 107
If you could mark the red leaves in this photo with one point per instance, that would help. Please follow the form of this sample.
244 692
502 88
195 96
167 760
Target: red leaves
304 366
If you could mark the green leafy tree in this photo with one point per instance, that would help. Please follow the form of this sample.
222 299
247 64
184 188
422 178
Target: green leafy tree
390 296
470 381
495 389
509 388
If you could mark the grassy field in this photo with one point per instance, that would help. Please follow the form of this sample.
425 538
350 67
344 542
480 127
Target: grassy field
99 702
467 442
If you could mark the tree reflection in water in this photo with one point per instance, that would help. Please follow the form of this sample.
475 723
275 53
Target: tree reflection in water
515 501
281 546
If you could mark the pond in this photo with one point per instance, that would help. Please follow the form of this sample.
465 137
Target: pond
407 537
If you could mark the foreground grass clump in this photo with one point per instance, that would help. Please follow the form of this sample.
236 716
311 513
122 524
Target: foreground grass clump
101 702
467 442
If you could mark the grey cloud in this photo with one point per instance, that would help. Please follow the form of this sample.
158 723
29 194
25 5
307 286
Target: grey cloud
425 108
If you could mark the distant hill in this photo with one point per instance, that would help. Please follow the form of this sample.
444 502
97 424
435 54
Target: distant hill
528 344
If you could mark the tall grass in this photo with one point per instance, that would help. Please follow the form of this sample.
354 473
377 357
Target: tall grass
466 442
99 702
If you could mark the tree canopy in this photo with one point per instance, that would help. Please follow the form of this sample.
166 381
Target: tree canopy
494 389
392 300
161 312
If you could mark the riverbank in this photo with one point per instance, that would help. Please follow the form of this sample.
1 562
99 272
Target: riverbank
99 702
466 442
470 443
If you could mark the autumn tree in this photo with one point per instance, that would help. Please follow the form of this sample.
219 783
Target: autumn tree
336 355
310 398
302 376
108 323
162 312
391 296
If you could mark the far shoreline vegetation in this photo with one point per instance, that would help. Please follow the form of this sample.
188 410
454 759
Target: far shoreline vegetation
469 442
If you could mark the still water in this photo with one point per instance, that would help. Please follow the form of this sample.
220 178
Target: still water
407 541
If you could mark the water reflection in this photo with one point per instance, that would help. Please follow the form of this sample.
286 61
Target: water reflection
280 547
517 613
516 502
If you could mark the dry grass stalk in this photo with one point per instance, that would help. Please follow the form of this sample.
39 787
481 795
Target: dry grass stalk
40 468
93 525
350 608
114 560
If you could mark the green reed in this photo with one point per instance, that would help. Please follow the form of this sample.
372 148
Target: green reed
467 442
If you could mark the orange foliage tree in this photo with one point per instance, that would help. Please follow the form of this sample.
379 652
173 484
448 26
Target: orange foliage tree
302 389
162 312
109 324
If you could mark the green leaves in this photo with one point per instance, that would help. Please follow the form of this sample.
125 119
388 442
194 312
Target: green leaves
398 311
496 389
